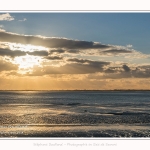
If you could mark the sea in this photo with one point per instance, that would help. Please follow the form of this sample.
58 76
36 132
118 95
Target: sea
75 114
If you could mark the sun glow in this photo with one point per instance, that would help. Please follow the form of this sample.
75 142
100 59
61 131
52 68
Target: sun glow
27 62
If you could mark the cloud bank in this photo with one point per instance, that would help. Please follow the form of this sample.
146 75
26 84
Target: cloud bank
65 56
60 45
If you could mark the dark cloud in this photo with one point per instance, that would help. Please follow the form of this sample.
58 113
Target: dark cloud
84 66
128 72
14 53
61 45
79 60
54 57
80 67
110 51
7 52
60 51
115 51
89 62
95 67
141 72
73 50
126 68
50 42
110 70
57 51
38 53
7 66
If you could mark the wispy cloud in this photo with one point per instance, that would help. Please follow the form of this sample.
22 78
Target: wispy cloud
24 19
129 45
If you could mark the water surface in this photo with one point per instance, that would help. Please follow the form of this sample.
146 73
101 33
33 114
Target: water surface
74 113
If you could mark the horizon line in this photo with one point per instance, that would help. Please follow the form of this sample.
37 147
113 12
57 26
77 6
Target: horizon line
85 90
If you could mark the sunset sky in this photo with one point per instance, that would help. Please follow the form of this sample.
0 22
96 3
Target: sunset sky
67 51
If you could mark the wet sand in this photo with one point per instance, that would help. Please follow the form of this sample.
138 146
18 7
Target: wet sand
63 125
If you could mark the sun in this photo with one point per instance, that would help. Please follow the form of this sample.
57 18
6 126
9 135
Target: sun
27 62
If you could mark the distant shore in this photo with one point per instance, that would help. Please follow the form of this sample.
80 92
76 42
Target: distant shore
86 90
